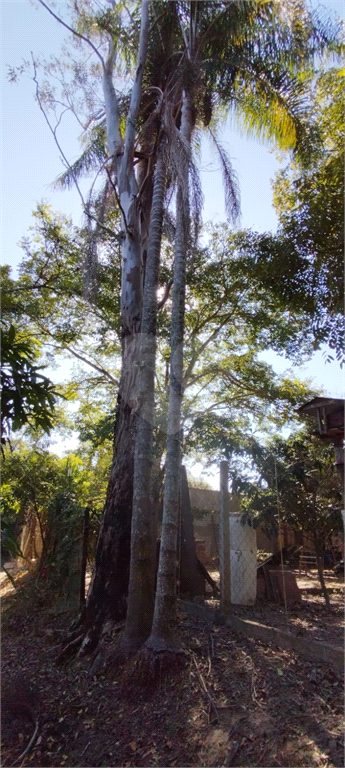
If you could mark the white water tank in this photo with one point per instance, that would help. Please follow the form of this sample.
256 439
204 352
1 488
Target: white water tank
243 561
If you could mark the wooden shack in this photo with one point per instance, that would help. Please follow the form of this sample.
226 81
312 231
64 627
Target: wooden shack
329 412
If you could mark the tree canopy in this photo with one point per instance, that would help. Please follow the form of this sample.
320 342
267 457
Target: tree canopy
231 317
303 262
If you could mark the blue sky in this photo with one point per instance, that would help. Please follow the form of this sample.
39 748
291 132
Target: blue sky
30 159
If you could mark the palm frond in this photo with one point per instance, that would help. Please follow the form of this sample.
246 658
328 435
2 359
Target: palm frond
91 158
177 151
196 202
169 223
230 181
178 158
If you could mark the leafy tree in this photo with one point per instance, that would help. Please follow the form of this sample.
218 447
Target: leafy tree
304 261
54 492
29 480
9 529
27 397
107 30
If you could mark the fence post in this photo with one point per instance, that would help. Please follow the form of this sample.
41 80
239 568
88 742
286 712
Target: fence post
224 540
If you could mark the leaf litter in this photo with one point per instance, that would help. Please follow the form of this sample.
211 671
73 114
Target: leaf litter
237 702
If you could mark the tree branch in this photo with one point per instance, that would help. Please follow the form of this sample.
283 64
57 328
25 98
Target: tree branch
79 356
73 31
201 375
53 131
137 85
93 365
203 346
165 297
114 138
67 164
117 200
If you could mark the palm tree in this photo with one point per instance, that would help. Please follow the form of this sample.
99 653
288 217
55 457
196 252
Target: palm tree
234 37
144 518
163 632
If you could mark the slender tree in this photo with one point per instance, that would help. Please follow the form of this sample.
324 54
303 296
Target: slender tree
144 515
162 637
111 570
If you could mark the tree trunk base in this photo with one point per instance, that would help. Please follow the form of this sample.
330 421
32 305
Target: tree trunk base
129 646
155 662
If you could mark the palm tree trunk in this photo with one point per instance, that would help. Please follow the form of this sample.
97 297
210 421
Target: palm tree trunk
144 516
163 635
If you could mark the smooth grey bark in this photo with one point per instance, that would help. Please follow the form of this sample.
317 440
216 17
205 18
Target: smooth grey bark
163 635
144 516
122 150
109 585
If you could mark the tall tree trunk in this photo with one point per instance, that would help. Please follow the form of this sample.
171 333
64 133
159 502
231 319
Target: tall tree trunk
144 515
107 596
163 635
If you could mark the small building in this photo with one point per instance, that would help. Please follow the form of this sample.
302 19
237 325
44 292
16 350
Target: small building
329 412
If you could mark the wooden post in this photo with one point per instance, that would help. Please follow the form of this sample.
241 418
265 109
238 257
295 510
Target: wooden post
224 540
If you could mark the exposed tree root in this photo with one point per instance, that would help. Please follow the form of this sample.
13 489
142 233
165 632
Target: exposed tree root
149 668
69 650
82 639
90 640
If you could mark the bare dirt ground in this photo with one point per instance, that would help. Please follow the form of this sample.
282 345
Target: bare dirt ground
237 702
307 619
